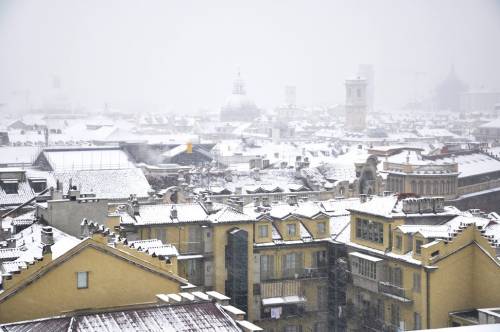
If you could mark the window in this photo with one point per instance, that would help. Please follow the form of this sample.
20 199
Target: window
398 277
321 227
366 268
416 282
292 328
399 242
161 234
10 186
292 264
266 267
417 321
370 230
322 298
358 92
320 327
292 229
418 246
380 310
82 280
395 314
319 259
263 231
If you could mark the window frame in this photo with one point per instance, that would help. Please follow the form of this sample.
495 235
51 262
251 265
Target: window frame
261 228
321 227
78 280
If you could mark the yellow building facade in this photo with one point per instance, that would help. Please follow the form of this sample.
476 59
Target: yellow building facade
413 262
91 275
280 260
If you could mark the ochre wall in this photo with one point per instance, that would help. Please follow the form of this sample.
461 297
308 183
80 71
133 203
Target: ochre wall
112 282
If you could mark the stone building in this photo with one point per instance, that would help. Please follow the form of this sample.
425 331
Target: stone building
356 104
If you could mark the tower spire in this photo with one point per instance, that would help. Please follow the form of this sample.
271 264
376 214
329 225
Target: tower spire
238 84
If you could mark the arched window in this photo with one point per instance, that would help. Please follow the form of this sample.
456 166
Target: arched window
420 187
428 189
414 188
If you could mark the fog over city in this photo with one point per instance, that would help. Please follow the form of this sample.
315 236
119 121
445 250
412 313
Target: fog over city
181 56
246 166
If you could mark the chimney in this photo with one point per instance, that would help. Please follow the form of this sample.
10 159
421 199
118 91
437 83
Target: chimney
135 206
256 201
238 205
209 205
84 228
73 193
47 236
362 198
173 212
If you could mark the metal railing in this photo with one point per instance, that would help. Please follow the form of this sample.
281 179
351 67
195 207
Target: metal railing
391 289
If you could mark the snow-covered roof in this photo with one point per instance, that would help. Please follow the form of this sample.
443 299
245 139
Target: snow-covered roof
193 316
106 183
29 247
87 159
185 213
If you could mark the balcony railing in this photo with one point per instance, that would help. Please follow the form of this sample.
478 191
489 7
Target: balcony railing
302 273
190 248
394 291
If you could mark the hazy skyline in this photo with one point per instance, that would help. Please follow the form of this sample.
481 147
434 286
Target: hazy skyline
183 55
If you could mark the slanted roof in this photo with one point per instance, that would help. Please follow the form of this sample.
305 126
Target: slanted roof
106 183
203 316
78 159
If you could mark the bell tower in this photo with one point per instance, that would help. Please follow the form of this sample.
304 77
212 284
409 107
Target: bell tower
355 104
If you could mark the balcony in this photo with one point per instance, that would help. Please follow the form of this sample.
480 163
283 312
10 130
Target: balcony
365 283
301 273
315 272
393 291
285 311
190 248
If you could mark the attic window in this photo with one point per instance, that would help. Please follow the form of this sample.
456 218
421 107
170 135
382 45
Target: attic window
10 186
82 280
38 185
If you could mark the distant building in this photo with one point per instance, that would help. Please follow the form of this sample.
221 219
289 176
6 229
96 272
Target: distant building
479 101
290 95
107 172
238 106
448 92
367 72
356 104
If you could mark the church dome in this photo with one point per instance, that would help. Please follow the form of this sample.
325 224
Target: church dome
239 102
238 106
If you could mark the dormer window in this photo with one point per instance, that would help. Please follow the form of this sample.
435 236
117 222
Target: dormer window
38 185
10 186
291 229
399 242
263 231
321 227
418 246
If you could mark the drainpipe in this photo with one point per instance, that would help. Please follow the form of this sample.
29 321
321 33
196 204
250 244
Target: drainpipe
428 294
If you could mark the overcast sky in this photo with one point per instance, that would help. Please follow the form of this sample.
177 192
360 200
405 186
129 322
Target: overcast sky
183 55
